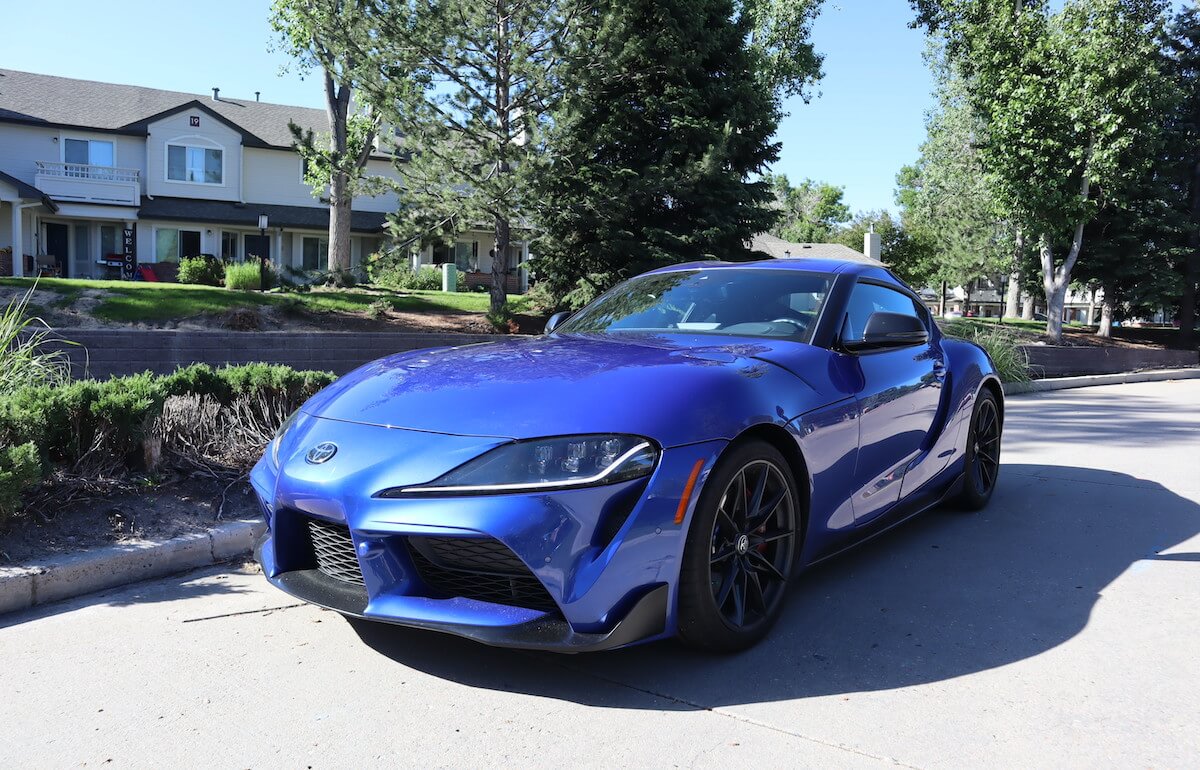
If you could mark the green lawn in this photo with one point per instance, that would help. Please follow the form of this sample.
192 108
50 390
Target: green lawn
131 302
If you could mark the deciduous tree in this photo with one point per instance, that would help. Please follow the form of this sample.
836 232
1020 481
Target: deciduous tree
1071 103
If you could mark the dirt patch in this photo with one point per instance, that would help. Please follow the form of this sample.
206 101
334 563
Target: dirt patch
168 510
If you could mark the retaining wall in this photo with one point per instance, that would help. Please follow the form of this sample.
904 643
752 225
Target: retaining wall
1054 361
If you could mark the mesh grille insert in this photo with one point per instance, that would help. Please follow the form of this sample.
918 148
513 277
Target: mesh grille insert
478 568
334 551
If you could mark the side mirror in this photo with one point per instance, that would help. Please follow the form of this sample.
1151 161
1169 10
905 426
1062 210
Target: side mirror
889 330
555 320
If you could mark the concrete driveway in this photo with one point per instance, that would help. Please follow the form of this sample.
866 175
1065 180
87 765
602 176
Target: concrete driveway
1060 627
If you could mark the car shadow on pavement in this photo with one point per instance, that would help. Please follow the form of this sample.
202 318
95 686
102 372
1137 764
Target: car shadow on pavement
946 595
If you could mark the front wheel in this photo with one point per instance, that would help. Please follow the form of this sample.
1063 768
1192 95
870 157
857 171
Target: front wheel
983 453
741 550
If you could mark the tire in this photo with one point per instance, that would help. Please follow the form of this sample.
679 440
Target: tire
982 468
739 558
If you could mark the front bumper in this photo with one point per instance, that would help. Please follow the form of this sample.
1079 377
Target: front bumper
608 557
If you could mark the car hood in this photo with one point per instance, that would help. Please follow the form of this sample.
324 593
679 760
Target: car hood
674 389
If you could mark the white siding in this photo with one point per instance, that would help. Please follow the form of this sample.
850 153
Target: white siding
175 129
21 146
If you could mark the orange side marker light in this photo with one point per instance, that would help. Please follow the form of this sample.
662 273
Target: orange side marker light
687 492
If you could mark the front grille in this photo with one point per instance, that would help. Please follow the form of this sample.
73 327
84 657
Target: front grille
334 551
478 568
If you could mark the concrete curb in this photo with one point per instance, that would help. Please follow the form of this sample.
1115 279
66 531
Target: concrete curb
83 573
1062 383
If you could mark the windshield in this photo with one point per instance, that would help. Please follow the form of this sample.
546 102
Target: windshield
730 301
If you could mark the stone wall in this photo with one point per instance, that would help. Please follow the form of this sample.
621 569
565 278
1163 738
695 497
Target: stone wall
105 353
1054 361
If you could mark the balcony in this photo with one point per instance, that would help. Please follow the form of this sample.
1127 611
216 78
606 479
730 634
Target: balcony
81 183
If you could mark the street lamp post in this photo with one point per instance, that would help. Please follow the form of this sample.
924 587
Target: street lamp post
262 261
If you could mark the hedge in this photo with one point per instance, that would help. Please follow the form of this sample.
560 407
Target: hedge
110 418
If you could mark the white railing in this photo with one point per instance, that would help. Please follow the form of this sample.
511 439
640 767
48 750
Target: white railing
85 171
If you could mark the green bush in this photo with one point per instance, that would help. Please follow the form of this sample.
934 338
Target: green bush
107 420
246 276
1002 344
20 469
206 271
399 277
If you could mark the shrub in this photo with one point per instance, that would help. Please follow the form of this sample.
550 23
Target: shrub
1003 346
206 271
106 421
246 276
20 469
502 321
378 309
342 279
543 300
24 358
426 278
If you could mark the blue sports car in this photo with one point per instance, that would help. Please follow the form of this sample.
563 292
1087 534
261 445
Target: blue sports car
663 462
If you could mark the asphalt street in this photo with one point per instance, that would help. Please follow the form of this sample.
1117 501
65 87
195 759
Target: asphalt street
1058 628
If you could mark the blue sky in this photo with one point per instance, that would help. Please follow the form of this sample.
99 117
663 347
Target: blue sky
866 123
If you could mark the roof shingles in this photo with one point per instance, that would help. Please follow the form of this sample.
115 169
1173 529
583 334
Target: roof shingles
27 97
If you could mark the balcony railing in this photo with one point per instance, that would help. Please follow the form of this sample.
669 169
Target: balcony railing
89 184
85 171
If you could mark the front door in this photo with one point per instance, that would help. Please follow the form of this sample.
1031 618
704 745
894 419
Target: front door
257 247
58 243
898 403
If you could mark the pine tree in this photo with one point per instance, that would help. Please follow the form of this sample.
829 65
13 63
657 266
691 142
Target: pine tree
666 119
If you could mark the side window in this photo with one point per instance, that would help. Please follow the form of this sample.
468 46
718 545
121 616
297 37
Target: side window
868 298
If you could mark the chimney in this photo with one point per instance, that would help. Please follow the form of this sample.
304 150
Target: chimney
216 94
256 93
873 245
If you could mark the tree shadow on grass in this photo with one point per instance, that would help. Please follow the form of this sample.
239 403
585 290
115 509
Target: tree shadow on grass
946 595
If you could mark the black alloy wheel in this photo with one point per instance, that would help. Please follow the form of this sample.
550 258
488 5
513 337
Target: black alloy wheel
742 547
983 453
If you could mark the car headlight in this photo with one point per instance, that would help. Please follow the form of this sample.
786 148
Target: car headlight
549 463
273 448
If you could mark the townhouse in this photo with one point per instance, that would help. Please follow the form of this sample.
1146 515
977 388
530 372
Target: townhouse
94 176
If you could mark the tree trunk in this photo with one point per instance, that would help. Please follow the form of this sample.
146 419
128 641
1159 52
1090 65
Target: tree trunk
1056 280
1013 297
339 224
1027 307
337 106
499 293
1106 318
942 301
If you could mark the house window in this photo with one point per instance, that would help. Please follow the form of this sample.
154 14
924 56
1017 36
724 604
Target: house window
88 152
312 249
229 246
442 254
466 255
108 240
170 244
195 164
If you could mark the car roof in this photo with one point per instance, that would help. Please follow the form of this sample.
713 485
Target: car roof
866 267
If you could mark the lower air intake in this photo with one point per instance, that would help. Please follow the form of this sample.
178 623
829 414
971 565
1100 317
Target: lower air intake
334 551
478 568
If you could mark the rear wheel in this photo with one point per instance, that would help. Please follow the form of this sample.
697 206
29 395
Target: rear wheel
983 453
741 550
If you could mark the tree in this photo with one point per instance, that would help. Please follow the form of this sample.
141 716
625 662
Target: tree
1071 101
667 116
946 198
1183 147
470 127
908 254
811 210
333 35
